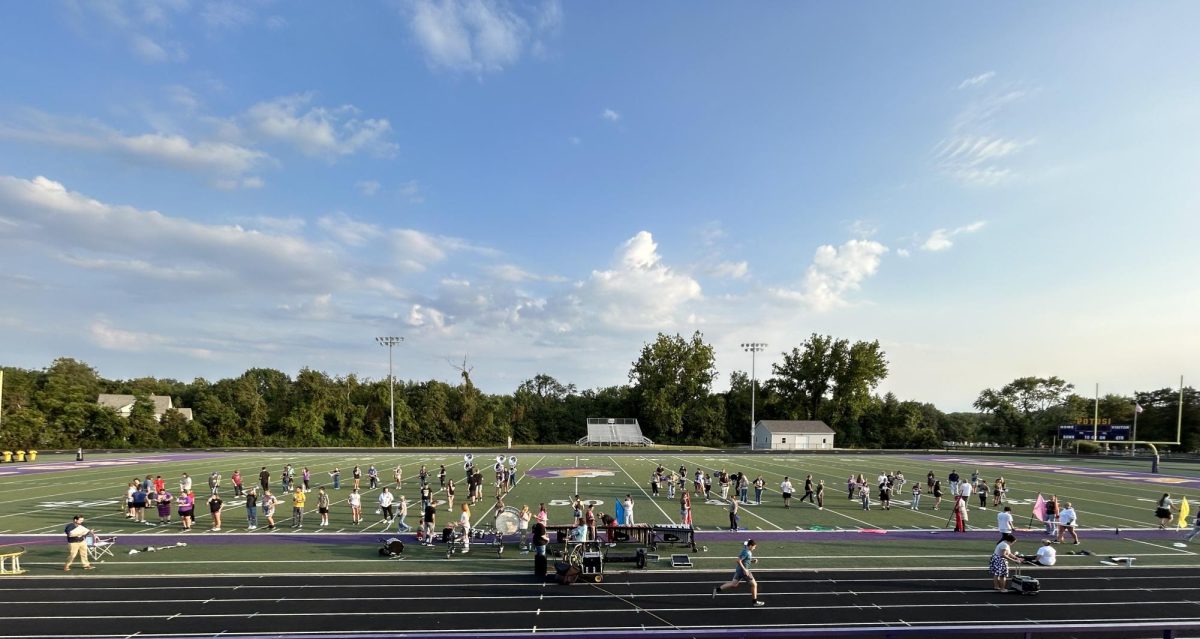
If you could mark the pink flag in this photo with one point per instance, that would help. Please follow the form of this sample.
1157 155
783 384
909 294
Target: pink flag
1138 408
1039 508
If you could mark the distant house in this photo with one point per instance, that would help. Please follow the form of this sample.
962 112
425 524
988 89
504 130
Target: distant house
792 435
123 404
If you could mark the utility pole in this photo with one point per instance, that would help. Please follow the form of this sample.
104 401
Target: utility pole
389 342
753 348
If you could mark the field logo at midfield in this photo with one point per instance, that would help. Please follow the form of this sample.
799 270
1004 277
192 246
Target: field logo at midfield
570 473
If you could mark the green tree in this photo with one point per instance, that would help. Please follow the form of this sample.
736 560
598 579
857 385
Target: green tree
1024 408
672 380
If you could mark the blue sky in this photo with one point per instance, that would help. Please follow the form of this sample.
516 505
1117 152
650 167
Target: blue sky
195 188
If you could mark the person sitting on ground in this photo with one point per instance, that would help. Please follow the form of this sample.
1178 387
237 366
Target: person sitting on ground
1046 555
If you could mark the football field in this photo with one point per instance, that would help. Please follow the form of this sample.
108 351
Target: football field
1114 498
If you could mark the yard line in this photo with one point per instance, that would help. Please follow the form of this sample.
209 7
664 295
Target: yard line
639 485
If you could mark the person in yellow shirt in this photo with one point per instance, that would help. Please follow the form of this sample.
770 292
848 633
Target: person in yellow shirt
298 508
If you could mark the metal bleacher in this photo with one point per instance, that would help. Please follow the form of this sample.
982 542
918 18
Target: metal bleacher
613 431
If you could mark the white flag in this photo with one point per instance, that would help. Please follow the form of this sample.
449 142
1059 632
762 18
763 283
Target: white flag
1137 408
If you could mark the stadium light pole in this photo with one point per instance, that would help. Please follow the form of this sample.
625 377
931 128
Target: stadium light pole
753 348
389 342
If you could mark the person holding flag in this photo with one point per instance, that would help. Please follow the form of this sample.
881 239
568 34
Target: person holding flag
1039 510
1163 510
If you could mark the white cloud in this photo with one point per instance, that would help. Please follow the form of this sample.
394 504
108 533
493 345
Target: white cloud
156 149
836 271
977 80
513 273
148 49
411 191
226 14
942 239
348 231
730 270
319 131
476 36
903 252
127 239
232 184
638 292
976 160
610 115
367 187
416 250
276 23
106 336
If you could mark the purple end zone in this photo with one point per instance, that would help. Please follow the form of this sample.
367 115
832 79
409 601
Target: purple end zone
33 468
1165 481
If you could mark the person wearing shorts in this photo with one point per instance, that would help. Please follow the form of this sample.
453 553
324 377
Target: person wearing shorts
785 488
323 505
269 502
355 501
1066 524
742 573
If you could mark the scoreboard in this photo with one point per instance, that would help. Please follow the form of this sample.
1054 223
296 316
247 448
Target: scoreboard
1103 432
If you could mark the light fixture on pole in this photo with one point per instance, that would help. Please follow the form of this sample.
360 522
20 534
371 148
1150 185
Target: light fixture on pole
753 348
389 342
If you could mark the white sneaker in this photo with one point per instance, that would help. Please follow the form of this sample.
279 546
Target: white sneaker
216 530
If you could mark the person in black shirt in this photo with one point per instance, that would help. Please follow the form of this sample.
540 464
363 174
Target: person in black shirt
430 520
264 478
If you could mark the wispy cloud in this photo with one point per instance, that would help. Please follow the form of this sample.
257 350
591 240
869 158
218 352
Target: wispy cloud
976 153
942 239
320 131
610 115
479 36
212 157
977 80
367 187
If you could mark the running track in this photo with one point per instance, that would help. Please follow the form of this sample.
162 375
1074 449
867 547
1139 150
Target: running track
1103 602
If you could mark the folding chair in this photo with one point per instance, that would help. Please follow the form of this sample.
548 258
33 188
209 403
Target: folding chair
99 547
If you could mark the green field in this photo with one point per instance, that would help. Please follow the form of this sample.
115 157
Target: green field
1105 491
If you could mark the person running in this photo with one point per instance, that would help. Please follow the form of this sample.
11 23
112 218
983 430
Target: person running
998 565
1163 510
269 503
322 505
298 508
251 509
355 501
1066 524
742 573
785 489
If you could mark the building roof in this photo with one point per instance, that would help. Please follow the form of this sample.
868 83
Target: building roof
121 402
788 426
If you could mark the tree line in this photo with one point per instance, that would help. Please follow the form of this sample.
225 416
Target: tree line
670 389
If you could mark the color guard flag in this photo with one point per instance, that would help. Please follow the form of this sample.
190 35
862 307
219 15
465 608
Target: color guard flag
1137 408
1184 509
1039 508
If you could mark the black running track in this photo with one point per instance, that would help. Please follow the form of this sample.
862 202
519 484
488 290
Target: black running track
1114 602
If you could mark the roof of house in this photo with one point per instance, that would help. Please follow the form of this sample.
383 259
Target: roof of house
785 426
118 402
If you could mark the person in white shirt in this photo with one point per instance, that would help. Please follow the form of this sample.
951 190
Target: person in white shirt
964 491
1066 524
1004 521
628 506
785 489
385 504
1046 555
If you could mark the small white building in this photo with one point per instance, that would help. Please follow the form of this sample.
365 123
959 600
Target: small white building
123 404
781 434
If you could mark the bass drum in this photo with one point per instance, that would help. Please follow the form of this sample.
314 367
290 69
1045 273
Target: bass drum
507 522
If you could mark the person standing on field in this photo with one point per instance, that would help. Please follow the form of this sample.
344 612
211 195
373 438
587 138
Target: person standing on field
77 543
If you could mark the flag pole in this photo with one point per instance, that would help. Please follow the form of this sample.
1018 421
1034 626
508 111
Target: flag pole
1137 408
1096 418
